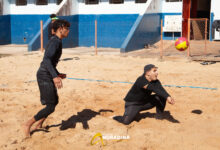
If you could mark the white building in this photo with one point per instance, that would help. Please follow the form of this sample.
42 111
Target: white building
125 24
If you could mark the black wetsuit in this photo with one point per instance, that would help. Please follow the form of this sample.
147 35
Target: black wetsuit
139 98
50 26
45 75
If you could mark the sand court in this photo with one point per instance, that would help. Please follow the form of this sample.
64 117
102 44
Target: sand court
87 107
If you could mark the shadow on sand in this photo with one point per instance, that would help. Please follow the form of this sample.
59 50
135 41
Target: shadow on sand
82 117
164 116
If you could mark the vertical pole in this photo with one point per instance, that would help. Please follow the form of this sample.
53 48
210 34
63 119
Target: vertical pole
188 52
186 14
41 36
206 36
96 52
161 40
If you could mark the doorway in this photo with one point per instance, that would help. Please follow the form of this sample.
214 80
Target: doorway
195 9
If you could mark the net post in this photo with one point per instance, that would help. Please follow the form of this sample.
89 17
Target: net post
161 41
188 51
96 52
206 20
41 36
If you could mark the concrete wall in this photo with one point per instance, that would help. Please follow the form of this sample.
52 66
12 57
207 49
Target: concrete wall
215 9
128 7
5 30
118 24
6 7
66 9
32 8
71 41
1 7
112 29
171 9
114 22
34 43
146 29
25 27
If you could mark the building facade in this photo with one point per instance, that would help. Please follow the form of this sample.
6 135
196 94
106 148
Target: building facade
124 24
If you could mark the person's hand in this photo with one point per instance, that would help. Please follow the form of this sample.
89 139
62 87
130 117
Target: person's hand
58 82
62 76
170 100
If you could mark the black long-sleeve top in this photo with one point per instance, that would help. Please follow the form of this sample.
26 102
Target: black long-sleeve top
50 26
138 94
52 54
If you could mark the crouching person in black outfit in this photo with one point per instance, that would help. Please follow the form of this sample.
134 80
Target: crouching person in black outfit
140 96
48 78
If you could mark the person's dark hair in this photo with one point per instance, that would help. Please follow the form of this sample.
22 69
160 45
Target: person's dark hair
60 23
53 15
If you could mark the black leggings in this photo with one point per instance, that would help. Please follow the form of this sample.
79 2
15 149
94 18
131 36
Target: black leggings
48 94
45 112
131 111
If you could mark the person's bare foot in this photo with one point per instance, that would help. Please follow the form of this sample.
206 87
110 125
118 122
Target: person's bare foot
39 124
36 127
26 129
27 126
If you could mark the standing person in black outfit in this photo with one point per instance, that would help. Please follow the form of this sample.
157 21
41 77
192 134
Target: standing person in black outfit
48 78
140 96
51 32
